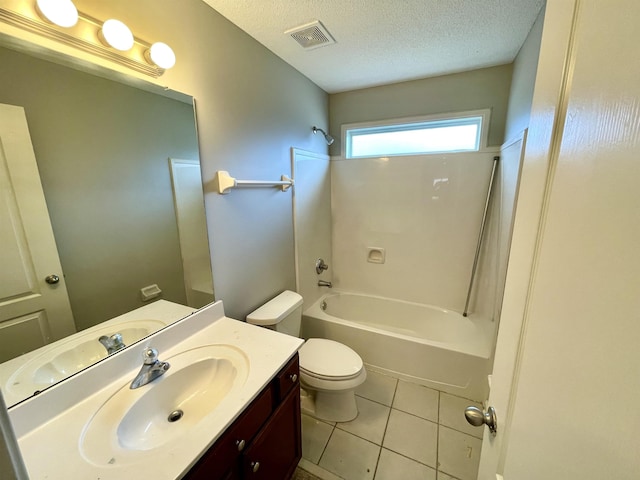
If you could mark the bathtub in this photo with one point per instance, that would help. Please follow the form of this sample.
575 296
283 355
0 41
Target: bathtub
428 345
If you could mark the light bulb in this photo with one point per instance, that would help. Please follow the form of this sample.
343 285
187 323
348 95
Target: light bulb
59 12
161 55
116 34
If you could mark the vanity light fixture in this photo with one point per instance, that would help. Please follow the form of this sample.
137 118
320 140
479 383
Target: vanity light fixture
59 12
112 40
116 34
160 54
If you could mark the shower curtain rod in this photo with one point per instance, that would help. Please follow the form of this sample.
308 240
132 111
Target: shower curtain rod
482 225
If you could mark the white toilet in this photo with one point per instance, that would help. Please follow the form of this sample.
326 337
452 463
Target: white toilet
329 371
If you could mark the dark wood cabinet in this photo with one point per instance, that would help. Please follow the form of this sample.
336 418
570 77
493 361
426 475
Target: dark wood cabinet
264 443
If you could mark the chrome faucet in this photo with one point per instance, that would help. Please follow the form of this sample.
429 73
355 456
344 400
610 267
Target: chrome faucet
324 283
152 368
321 266
112 343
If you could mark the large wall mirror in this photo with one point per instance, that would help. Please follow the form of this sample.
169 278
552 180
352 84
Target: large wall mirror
119 169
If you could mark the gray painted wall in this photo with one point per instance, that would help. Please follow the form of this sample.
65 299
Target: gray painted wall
102 150
251 108
522 83
473 90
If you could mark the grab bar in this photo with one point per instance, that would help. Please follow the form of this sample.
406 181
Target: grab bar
484 221
225 182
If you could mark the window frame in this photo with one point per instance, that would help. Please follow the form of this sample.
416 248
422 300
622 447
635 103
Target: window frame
401 124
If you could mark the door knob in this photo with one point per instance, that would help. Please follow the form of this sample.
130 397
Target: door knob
477 417
52 279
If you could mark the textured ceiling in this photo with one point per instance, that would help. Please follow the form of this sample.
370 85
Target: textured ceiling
387 41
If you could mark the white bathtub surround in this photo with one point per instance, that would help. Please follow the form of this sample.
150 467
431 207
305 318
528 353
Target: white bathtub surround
58 416
311 221
423 210
423 344
488 291
393 441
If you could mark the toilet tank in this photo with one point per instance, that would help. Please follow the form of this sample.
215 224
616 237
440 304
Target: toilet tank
282 313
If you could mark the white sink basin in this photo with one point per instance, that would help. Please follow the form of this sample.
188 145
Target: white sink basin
64 358
71 359
132 423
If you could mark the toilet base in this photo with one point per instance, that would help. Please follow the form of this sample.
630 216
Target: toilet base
329 406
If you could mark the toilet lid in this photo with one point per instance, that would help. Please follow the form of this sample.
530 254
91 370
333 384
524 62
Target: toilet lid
324 358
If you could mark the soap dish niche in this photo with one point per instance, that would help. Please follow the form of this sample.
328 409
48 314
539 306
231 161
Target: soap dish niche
375 255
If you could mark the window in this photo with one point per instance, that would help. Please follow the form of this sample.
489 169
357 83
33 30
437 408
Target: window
452 133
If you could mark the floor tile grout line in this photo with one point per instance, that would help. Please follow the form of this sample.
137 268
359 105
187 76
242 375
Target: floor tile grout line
431 420
384 433
372 400
375 469
416 416
333 429
386 424
460 431
412 459
438 439
357 436
448 475
395 392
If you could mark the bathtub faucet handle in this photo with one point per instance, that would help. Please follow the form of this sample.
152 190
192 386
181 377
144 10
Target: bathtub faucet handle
321 266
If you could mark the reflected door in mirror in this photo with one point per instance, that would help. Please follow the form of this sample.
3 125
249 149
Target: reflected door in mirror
33 311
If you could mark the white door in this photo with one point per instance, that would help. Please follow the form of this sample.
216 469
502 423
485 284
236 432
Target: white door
32 311
566 380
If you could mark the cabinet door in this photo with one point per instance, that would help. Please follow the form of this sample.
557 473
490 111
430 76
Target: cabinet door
277 449
222 460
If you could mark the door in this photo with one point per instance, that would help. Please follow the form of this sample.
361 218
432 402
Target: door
33 311
567 372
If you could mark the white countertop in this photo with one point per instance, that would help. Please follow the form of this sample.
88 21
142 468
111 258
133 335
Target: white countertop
49 426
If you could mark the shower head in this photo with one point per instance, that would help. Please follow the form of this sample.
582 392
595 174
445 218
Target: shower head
327 137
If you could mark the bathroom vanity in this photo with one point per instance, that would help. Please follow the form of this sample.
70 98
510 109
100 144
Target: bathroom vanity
265 441
227 408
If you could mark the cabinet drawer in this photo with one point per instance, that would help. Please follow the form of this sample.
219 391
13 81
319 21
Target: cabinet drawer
288 378
223 456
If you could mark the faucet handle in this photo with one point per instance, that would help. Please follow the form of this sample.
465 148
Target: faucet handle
150 356
321 266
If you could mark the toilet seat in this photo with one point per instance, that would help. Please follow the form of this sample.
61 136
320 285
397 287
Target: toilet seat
325 359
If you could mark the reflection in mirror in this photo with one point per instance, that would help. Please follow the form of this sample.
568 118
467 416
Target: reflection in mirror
120 174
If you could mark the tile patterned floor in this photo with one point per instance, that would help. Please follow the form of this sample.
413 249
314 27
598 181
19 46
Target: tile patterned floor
403 430
301 474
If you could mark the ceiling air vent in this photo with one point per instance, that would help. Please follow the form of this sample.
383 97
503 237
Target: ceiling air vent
311 35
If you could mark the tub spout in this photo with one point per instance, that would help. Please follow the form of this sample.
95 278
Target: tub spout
324 283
